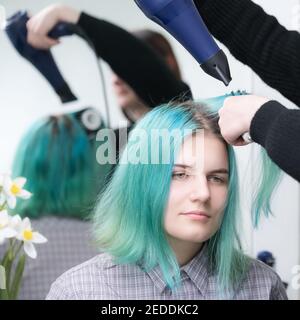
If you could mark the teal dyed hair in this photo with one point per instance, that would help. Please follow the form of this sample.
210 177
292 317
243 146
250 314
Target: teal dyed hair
59 161
129 217
268 173
269 176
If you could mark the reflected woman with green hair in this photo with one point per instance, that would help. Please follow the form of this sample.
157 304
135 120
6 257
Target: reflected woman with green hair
169 229
57 155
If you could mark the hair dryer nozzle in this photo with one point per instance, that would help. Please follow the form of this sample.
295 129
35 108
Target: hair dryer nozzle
218 67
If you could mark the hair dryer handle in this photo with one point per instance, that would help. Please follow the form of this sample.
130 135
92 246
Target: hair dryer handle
62 29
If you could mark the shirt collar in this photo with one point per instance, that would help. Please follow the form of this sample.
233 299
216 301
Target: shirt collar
197 270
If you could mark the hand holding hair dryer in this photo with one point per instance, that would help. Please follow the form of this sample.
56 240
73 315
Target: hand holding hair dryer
42 59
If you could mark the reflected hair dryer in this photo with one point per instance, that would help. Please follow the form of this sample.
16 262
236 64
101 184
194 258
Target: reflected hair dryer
182 20
42 59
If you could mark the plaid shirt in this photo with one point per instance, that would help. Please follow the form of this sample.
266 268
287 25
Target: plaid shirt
68 245
101 279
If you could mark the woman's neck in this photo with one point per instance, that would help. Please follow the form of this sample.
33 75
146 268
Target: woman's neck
184 251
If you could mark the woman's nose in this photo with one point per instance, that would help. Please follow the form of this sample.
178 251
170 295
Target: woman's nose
200 190
116 80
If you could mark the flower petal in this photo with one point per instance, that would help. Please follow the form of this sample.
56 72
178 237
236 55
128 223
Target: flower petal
30 249
2 198
38 238
15 222
9 233
24 194
11 201
26 224
20 182
7 184
3 217
19 236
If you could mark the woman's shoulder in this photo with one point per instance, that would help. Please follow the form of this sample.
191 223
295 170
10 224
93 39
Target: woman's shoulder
259 269
264 281
82 281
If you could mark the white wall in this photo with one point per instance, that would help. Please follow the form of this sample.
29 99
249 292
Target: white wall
281 234
25 96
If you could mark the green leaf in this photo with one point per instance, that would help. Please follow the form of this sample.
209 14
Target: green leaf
3 291
3 295
7 263
15 287
2 278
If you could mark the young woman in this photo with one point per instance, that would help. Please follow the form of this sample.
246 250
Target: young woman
168 220
58 157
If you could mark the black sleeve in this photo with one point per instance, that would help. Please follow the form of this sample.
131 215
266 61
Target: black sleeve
277 129
258 40
135 62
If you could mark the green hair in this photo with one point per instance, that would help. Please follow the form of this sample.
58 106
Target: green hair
59 161
129 217
268 174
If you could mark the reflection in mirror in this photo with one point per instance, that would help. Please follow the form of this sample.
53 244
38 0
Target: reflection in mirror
122 64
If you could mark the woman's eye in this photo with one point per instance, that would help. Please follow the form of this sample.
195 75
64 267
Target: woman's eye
179 175
217 179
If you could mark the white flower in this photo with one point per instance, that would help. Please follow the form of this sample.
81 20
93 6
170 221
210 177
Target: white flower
26 234
16 223
6 231
2 198
2 201
13 189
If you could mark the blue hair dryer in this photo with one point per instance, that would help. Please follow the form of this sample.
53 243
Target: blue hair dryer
182 19
42 59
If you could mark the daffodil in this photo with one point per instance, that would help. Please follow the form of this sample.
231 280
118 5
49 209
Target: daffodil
6 230
29 237
13 189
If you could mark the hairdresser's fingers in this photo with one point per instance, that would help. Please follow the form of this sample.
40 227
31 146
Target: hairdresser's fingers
40 25
40 42
236 116
232 132
42 22
240 142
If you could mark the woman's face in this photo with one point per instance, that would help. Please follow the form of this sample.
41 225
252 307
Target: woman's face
124 93
131 105
198 190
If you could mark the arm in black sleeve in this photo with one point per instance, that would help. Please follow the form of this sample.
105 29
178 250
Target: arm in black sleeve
258 40
277 129
134 61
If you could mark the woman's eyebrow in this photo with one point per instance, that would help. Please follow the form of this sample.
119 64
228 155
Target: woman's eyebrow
221 170
184 166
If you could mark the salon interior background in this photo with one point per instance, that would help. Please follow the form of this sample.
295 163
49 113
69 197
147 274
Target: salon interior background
25 96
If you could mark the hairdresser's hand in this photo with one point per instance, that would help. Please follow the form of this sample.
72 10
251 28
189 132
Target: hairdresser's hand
43 22
236 116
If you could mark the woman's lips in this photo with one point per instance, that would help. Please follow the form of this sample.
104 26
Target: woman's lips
197 215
